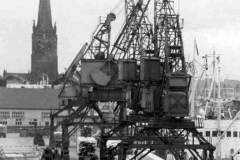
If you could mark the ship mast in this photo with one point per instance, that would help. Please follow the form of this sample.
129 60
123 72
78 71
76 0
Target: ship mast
216 98
218 147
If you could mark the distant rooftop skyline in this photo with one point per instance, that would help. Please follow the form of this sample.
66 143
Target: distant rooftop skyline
215 24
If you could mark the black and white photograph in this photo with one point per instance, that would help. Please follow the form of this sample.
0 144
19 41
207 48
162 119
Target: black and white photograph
119 80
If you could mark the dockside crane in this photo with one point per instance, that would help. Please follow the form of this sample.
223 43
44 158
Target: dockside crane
71 84
143 71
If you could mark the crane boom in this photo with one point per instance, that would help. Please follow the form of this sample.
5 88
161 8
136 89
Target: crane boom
72 68
126 44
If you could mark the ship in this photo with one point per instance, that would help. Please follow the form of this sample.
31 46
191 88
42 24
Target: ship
219 108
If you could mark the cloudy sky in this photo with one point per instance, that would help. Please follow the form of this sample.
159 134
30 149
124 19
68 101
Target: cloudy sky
214 23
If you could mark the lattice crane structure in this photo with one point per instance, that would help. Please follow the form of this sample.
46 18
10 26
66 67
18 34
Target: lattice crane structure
143 75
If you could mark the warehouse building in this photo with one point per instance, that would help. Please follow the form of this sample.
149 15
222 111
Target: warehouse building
27 106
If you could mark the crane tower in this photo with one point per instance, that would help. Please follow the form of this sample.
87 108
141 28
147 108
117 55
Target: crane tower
143 75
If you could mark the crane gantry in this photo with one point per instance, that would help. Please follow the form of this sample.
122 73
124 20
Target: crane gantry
143 71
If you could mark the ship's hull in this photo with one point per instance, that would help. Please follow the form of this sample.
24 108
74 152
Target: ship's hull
228 145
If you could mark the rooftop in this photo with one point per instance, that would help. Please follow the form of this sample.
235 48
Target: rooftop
28 98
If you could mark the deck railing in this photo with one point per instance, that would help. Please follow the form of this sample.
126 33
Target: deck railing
199 122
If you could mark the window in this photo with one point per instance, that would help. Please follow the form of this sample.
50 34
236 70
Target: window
3 122
4 115
33 122
58 122
235 134
201 133
207 133
18 122
46 123
214 133
18 115
222 132
229 134
45 115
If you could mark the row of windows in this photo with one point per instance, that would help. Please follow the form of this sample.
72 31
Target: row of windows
33 122
21 115
6 115
18 114
3 122
215 133
19 122
45 115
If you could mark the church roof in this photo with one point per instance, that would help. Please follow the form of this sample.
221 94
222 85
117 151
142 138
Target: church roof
21 77
29 99
44 15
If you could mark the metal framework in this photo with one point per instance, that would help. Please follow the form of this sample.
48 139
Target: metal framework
168 36
146 129
100 44
129 5
135 37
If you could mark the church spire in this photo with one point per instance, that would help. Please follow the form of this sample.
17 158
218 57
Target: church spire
44 45
44 15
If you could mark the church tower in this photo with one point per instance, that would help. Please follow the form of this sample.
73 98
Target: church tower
44 62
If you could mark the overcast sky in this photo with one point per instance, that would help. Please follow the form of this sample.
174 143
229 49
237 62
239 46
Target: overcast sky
214 23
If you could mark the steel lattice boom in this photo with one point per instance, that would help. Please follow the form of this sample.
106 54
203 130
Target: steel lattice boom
168 36
135 33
